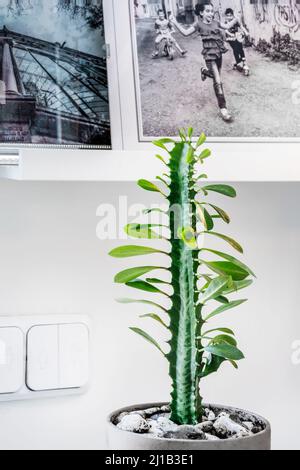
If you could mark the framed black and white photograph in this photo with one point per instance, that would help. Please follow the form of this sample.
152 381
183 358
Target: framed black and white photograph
53 65
230 68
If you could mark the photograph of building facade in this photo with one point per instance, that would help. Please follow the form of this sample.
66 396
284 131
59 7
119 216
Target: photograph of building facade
54 88
171 93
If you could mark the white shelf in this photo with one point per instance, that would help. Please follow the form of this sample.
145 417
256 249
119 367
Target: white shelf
255 162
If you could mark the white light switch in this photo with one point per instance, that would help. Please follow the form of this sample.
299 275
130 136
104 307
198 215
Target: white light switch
11 360
74 356
58 357
42 358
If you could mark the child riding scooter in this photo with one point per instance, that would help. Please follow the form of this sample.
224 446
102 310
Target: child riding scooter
236 37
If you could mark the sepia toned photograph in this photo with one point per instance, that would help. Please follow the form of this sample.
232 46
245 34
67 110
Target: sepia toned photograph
54 87
228 67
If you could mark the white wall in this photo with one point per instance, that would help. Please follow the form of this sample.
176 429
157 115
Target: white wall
52 262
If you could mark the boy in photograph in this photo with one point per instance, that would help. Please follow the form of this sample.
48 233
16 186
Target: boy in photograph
235 37
164 29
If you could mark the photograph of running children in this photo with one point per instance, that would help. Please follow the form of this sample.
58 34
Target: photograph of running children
228 67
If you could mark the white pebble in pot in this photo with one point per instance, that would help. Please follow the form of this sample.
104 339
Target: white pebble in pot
225 427
134 423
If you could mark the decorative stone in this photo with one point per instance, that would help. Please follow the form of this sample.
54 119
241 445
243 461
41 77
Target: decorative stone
160 415
152 411
155 430
134 423
248 425
186 432
206 426
120 417
139 412
166 409
257 429
211 437
209 414
166 425
225 427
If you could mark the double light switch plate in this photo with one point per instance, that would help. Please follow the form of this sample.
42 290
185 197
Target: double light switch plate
43 356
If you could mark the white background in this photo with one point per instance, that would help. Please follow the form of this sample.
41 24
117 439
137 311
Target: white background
52 262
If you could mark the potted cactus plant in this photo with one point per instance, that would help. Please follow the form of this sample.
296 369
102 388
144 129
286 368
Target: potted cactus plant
198 282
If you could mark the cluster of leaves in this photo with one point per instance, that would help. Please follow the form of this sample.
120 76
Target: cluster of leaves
281 48
196 279
18 7
93 14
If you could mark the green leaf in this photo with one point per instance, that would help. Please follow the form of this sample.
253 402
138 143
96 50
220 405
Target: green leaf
212 366
146 302
159 157
224 308
222 330
132 250
182 134
221 299
226 351
148 186
155 317
224 339
133 273
201 140
165 140
188 236
230 258
205 217
159 178
227 268
207 277
157 281
238 285
224 216
221 189
190 155
205 154
142 231
154 209
229 240
145 286
190 132
147 338
161 143
215 288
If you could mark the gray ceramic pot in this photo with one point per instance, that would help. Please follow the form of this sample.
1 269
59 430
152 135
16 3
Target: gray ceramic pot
122 440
